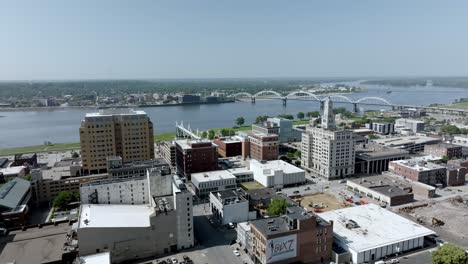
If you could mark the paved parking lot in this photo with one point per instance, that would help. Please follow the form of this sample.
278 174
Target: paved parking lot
214 242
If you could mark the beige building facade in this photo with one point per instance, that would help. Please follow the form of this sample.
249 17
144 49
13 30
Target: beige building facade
115 132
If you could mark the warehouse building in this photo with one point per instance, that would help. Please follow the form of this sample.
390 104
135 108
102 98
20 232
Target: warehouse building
213 181
370 233
132 232
276 173
385 189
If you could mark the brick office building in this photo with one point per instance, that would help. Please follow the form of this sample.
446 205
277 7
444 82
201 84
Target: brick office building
228 146
296 237
195 156
264 146
444 149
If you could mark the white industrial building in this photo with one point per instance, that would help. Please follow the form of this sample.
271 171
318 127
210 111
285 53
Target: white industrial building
276 173
412 125
213 181
369 232
115 191
126 190
229 206
130 232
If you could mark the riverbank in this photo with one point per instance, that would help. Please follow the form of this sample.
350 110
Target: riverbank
157 137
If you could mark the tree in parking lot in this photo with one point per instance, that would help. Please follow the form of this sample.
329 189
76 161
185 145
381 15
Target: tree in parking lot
65 197
448 253
277 207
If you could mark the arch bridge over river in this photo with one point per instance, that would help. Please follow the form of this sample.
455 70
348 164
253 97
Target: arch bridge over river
338 98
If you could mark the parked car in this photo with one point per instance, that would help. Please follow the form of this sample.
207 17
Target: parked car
394 261
296 192
236 253
174 260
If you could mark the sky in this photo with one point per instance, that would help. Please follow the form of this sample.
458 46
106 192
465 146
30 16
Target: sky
115 39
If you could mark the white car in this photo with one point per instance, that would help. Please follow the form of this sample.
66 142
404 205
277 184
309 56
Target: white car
174 260
236 253
394 261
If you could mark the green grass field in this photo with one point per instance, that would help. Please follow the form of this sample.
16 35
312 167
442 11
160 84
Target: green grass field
157 137
463 105
60 146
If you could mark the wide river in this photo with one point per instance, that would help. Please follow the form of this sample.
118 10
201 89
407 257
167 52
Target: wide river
26 128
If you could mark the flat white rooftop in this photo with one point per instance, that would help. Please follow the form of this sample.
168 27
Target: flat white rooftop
397 141
100 258
241 170
275 165
418 164
212 176
378 227
116 111
114 215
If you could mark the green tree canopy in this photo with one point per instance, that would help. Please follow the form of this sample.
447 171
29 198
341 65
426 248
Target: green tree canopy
211 134
450 129
449 254
75 154
204 134
313 114
240 121
287 116
66 197
277 207
260 119
300 115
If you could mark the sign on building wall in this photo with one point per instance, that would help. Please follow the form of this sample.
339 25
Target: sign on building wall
281 248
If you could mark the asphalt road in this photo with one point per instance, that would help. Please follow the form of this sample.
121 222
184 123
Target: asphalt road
213 242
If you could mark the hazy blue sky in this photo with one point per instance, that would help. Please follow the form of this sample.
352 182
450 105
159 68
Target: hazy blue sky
42 39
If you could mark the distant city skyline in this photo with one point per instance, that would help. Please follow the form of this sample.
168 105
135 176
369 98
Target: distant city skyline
151 40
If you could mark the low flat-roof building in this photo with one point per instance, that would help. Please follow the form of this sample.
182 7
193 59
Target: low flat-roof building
276 173
410 143
459 162
117 169
386 189
48 244
213 181
242 175
229 206
421 171
455 174
14 199
374 158
12 172
297 236
371 233
444 149
26 159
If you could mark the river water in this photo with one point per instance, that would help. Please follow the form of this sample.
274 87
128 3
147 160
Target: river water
26 128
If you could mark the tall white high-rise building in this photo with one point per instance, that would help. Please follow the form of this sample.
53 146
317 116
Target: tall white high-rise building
326 150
